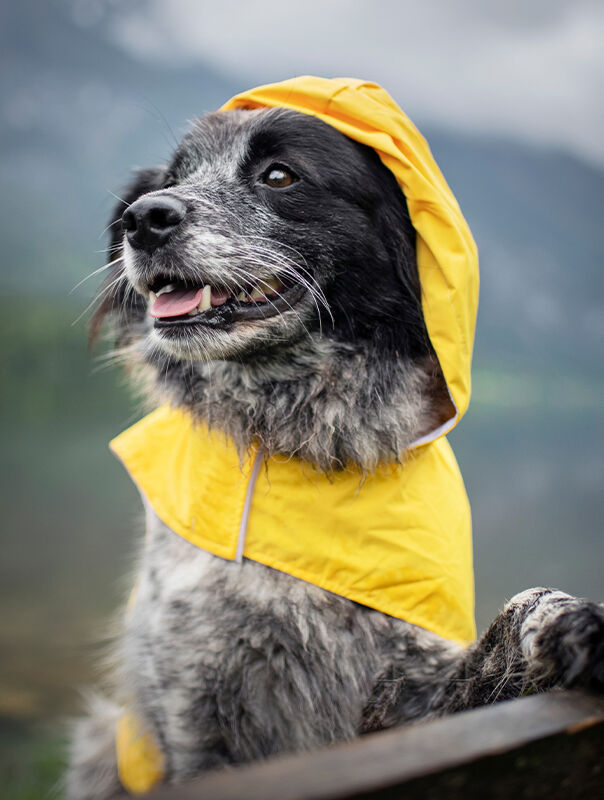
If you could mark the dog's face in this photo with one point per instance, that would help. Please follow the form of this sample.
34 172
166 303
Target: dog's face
267 226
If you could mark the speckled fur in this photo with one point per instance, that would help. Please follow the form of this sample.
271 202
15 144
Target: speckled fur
225 662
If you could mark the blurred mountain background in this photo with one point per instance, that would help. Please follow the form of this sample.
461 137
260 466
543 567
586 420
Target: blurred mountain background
77 112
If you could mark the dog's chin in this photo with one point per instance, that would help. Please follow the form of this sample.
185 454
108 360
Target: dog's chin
207 338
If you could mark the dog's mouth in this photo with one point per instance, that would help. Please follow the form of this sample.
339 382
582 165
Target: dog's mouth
177 303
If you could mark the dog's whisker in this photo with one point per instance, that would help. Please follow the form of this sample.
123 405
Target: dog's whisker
120 199
240 270
242 240
111 224
159 116
287 266
281 255
280 244
116 357
99 297
296 277
95 272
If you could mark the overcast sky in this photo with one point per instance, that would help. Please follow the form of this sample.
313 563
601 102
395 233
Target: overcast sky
533 69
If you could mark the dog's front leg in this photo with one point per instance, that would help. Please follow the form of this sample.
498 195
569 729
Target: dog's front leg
542 639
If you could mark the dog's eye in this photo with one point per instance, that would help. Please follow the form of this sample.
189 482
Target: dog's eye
278 177
169 182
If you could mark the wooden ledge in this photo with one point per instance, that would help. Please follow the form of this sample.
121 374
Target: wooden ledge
541 746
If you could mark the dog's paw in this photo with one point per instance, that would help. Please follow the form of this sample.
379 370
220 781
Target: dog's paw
562 640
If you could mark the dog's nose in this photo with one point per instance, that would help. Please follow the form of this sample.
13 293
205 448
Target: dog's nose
149 221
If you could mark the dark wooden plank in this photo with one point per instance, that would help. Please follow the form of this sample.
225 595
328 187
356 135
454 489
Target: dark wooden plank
548 745
560 767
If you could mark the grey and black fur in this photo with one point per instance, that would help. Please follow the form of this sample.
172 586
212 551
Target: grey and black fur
225 662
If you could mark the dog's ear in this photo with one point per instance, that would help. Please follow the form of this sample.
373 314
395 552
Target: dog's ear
399 236
112 289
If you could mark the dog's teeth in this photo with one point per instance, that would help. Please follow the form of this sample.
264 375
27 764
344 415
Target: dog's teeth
192 313
169 287
256 294
206 299
274 284
242 297
152 297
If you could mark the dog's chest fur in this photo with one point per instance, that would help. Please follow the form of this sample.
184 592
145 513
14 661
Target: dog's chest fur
213 640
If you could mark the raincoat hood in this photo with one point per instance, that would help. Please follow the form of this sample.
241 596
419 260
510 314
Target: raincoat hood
400 542
446 253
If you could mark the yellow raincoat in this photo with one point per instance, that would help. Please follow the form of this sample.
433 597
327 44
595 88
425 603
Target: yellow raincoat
402 542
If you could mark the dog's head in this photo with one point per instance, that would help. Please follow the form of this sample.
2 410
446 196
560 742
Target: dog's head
269 236
292 226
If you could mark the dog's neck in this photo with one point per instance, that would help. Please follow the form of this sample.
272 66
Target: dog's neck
336 405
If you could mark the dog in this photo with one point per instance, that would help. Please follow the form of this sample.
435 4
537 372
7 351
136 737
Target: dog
266 284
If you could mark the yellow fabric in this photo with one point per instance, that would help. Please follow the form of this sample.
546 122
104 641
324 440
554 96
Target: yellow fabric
400 541
139 761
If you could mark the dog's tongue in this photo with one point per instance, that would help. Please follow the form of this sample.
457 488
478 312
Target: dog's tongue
176 303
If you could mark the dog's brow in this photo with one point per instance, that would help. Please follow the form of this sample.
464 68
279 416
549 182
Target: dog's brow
211 147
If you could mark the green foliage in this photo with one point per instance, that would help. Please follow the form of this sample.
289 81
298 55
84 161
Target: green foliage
67 505
31 761
46 372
